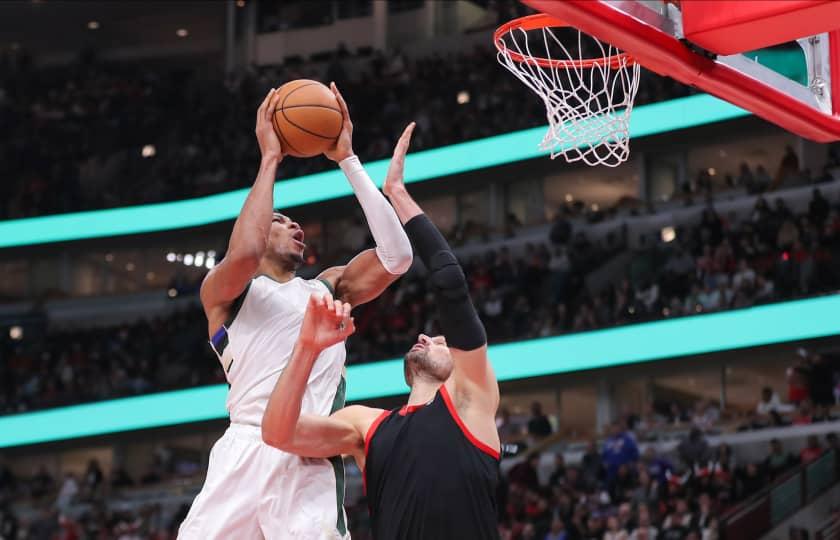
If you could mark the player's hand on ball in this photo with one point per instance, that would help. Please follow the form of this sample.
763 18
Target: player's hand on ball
343 147
326 322
394 178
269 142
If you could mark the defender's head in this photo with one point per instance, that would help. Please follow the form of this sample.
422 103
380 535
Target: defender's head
285 242
428 359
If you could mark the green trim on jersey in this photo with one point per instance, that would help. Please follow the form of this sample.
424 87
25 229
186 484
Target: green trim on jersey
237 305
338 463
330 288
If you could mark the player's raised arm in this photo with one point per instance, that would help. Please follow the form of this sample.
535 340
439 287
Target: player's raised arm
325 323
370 272
249 238
458 318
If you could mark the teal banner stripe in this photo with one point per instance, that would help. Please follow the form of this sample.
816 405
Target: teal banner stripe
420 166
763 325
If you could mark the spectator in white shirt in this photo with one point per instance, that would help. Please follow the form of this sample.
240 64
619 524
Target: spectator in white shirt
770 407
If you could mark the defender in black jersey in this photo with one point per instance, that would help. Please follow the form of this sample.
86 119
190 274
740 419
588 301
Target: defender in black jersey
430 467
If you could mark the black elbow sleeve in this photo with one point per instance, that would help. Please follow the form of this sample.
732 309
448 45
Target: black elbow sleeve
459 321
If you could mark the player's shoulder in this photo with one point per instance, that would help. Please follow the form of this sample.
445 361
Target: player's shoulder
360 416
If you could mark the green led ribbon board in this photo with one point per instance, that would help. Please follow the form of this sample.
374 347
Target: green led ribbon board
675 338
646 120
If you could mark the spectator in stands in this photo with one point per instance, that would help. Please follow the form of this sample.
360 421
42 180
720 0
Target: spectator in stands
42 483
678 522
592 465
821 386
770 408
524 473
803 415
644 530
619 449
777 461
797 378
538 426
832 442
614 530
508 430
694 449
557 530
751 481
812 450
8 522
92 481
559 473
68 492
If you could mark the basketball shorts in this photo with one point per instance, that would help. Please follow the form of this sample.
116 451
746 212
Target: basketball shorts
254 491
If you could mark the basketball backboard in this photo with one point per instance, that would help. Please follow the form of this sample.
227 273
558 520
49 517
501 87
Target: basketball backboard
702 43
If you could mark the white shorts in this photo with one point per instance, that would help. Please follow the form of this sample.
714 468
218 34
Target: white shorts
254 491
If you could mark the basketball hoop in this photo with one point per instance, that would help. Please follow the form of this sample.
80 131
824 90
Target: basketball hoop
588 97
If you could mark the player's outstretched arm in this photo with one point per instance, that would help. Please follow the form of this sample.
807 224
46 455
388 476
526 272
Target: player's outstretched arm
459 321
368 274
325 323
249 238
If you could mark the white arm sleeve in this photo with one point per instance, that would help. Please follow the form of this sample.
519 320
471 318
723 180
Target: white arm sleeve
392 245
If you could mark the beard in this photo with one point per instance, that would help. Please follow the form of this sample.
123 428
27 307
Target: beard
421 363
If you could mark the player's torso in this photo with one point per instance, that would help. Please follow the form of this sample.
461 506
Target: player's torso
259 343
425 478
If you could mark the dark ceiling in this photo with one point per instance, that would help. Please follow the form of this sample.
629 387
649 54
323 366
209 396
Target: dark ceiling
60 26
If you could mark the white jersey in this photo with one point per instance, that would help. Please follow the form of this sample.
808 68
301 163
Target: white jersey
254 491
257 344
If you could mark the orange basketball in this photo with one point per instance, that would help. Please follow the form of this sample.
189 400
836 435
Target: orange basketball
307 118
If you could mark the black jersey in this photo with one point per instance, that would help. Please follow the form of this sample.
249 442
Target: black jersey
427 477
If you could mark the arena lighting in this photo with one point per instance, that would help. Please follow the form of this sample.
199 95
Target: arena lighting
427 165
188 259
170 257
674 338
199 259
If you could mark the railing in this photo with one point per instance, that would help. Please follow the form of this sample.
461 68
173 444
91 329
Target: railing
785 497
830 529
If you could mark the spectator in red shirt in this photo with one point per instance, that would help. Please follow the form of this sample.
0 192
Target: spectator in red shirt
812 451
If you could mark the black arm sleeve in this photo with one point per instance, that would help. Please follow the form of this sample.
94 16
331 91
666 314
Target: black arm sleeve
459 321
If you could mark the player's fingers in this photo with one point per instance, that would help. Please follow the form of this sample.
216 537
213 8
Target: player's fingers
347 308
345 112
264 104
272 105
339 309
327 301
350 326
405 139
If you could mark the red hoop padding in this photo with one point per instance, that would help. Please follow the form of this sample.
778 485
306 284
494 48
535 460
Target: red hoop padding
541 21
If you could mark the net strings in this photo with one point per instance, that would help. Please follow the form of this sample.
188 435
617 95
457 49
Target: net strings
588 108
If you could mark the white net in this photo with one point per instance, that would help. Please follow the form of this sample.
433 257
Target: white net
588 88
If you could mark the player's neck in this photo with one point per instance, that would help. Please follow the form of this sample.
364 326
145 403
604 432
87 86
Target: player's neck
276 271
423 391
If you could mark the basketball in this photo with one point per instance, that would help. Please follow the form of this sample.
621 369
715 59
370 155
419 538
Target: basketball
307 118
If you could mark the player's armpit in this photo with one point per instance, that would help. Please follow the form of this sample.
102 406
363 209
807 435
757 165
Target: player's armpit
363 279
475 378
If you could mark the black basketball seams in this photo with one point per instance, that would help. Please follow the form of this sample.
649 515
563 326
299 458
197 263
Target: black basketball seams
286 117
283 142
283 106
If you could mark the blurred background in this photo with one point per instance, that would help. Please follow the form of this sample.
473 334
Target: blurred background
108 106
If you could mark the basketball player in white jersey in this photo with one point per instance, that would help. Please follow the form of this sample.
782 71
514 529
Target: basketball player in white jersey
254 305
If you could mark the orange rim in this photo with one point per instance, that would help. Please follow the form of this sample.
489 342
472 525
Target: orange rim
542 20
